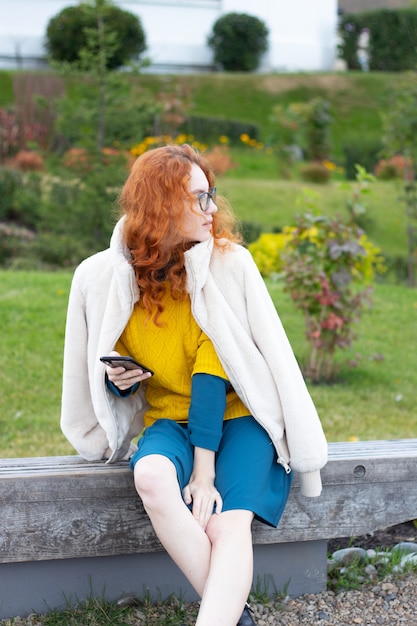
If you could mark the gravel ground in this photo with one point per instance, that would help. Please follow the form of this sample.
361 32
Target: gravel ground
392 602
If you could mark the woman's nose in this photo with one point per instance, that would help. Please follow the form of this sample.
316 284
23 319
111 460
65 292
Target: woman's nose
212 207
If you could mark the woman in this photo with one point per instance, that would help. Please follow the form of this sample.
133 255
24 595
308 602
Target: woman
227 414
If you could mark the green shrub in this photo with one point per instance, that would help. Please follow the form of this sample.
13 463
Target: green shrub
28 201
392 37
315 173
60 219
306 125
82 209
349 30
127 115
67 34
20 197
10 243
360 152
238 41
10 181
251 231
329 267
318 129
53 250
397 266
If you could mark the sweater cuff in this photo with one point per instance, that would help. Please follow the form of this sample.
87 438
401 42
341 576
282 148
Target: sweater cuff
206 413
204 438
310 484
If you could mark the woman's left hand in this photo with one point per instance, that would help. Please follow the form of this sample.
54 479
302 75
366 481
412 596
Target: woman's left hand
204 496
201 491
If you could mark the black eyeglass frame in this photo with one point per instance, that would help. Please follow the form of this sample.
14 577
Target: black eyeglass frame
208 195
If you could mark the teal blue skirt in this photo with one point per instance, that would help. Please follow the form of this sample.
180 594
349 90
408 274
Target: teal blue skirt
247 473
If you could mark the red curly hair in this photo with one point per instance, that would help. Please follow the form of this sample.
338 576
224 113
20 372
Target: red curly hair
153 201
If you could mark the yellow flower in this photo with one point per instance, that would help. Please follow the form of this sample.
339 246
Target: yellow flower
267 252
289 231
329 165
311 234
370 262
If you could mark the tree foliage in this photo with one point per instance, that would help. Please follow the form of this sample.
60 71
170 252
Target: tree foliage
392 36
104 107
68 33
238 41
306 125
400 131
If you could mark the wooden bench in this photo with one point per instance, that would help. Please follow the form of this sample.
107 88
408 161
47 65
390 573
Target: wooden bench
71 529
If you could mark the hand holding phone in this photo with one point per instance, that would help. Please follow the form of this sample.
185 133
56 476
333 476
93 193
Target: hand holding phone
128 362
125 369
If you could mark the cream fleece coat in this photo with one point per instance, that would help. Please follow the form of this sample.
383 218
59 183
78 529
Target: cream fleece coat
231 304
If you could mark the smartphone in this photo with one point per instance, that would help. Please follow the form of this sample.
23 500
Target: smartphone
125 361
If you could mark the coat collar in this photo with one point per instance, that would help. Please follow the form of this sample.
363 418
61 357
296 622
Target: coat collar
197 263
123 271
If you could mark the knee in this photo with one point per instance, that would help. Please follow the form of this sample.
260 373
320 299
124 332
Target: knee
230 526
151 476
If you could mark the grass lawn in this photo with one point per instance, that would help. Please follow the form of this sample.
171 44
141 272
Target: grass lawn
274 203
376 393
32 317
374 400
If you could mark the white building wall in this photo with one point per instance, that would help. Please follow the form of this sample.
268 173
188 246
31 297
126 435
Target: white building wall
302 33
22 26
176 31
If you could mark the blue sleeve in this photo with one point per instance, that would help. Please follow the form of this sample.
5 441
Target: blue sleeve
121 394
206 413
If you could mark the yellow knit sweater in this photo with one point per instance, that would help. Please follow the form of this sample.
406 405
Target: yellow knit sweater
174 351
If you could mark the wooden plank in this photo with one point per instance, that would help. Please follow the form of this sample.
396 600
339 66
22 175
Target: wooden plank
343 511
56 465
384 448
63 507
397 448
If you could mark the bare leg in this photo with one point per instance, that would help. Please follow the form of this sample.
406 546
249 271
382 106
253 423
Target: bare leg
231 569
180 534
217 562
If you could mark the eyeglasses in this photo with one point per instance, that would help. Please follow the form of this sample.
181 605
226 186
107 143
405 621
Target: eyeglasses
205 197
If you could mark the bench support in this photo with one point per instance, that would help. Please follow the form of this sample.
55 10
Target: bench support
40 586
